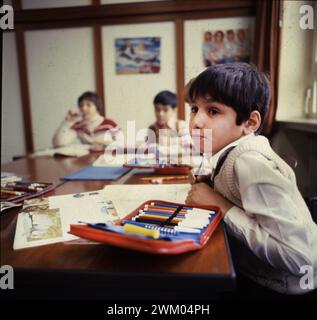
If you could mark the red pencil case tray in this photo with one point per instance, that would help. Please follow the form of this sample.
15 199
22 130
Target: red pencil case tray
146 244
23 197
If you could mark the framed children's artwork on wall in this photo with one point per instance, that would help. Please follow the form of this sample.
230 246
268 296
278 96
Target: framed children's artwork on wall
138 55
226 46
217 40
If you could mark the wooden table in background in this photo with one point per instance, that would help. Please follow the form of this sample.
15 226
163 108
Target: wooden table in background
94 271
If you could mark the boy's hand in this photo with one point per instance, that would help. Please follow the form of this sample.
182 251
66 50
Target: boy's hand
200 178
202 194
73 116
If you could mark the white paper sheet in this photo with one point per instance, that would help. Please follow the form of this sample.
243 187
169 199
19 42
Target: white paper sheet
48 220
127 198
86 206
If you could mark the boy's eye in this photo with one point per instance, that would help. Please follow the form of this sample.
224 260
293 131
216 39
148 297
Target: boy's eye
213 111
194 109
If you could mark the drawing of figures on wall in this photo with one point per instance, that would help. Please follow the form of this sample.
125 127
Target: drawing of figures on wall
138 55
225 46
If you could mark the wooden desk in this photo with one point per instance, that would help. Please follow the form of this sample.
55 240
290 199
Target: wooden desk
98 271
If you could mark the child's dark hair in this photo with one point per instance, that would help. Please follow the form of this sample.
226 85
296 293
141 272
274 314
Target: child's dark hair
166 98
93 97
238 85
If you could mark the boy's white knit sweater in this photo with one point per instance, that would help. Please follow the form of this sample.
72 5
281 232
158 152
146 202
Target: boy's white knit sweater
274 236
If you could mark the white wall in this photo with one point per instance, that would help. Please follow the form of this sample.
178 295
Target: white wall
12 129
295 63
130 97
60 68
193 38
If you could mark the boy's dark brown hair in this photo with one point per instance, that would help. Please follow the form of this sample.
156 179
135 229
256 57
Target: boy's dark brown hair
91 96
238 85
166 98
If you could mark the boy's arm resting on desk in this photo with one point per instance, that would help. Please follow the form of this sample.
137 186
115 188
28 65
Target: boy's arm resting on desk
273 222
202 194
64 135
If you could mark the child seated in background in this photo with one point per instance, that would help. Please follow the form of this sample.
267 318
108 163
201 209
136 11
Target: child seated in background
86 124
271 230
167 128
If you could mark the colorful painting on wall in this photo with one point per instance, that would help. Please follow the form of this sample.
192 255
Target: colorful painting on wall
138 55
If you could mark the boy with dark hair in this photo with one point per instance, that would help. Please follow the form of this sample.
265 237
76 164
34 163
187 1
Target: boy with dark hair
92 97
85 124
274 239
166 98
167 127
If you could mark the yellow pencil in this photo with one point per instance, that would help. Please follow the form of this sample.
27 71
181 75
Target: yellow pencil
141 230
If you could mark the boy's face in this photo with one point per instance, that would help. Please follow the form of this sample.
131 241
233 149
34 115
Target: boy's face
230 36
218 37
88 109
241 35
163 113
221 119
208 36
